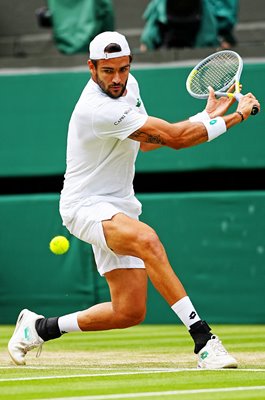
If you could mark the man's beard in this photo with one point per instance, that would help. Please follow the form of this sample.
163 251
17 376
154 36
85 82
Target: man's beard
108 92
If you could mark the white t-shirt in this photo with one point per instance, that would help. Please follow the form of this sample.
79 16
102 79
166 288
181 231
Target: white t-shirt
100 156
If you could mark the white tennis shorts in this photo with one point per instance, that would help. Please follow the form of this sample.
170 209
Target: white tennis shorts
86 224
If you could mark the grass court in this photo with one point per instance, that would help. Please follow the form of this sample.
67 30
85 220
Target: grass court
143 362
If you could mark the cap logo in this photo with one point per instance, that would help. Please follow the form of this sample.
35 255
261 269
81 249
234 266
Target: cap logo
112 55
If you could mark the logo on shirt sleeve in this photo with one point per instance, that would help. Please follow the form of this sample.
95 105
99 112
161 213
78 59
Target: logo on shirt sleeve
124 115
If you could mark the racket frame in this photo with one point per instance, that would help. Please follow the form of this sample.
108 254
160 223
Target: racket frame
223 91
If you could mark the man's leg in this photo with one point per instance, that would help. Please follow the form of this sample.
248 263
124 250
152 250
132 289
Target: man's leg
131 237
128 290
126 236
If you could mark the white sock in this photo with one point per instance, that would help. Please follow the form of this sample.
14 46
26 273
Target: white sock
68 323
186 311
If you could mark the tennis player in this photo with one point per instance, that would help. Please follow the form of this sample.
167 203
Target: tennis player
108 127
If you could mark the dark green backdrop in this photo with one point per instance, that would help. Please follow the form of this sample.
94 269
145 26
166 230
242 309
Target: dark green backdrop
35 110
215 241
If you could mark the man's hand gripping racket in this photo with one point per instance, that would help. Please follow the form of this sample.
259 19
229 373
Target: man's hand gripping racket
221 71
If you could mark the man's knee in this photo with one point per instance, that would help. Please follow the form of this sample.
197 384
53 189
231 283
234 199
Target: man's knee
150 243
131 317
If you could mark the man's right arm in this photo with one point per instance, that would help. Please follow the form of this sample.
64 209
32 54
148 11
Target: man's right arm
157 132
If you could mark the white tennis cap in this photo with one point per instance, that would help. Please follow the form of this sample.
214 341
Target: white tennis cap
101 41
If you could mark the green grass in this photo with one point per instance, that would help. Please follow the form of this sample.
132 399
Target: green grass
143 362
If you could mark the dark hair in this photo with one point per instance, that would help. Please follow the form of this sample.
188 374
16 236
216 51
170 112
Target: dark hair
110 48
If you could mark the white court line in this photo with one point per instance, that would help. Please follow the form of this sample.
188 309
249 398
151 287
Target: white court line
165 393
161 369
140 372
33 378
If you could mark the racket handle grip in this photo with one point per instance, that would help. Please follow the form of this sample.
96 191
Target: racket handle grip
238 96
254 110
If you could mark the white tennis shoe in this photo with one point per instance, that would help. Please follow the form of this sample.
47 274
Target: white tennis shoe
214 356
25 337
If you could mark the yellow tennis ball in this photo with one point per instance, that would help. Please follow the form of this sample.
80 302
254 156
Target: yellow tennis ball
59 245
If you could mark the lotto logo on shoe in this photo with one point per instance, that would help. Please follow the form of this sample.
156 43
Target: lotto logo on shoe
204 355
27 333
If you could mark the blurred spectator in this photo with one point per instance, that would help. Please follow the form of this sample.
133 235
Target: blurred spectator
226 14
44 17
76 22
171 23
189 23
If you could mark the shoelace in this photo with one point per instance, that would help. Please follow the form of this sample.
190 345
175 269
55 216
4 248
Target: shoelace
217 345
34 345
39 351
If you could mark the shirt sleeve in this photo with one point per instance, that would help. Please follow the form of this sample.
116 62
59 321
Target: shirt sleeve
117 119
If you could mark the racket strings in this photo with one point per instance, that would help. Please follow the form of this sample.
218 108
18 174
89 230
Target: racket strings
218 72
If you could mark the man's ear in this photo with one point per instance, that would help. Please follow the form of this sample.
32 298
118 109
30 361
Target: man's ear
91 66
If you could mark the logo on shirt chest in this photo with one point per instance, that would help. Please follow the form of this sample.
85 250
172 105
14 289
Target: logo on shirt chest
138 104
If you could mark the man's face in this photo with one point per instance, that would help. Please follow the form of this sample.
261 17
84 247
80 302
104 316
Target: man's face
111 75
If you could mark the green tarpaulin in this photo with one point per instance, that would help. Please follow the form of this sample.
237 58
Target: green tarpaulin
77 22
36 108
215 243
218 16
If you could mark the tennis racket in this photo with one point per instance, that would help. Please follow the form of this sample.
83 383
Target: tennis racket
220 70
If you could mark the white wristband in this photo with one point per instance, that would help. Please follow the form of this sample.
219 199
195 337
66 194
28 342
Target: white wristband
215 127
200 117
